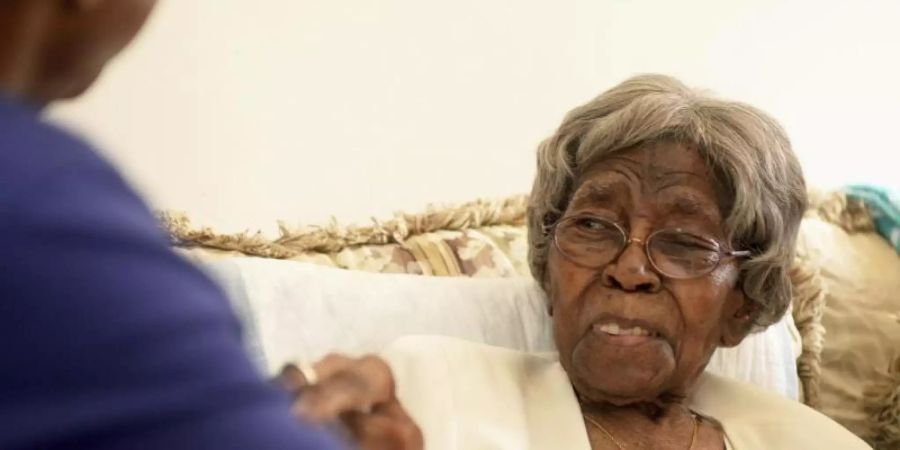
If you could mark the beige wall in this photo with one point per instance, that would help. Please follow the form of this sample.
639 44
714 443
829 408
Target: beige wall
243 112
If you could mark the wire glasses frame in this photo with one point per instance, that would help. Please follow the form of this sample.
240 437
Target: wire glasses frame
593 242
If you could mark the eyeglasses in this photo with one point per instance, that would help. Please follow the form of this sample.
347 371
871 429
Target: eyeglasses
593 242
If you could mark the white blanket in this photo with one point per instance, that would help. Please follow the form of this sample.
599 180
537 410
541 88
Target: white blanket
300 312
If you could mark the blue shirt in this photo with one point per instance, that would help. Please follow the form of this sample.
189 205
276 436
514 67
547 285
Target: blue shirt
108 340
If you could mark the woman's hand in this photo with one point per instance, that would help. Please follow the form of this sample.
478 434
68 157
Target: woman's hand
360 395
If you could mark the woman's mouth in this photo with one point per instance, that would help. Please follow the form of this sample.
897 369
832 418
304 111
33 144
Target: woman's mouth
624 333
615 330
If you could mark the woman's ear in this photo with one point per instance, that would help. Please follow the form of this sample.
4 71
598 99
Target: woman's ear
737 320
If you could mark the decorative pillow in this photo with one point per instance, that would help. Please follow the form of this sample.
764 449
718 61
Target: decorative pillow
478 239
861 275
495 251
300 312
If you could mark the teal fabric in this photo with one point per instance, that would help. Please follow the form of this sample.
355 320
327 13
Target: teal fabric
884 204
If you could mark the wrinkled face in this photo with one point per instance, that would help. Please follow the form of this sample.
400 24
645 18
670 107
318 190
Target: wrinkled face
625 332
86 35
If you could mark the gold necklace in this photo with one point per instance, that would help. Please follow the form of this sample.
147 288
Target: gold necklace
622 447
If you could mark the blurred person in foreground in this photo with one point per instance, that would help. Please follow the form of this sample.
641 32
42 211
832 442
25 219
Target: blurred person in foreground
110 340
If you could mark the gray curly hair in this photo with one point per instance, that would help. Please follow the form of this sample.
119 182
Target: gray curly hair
747 151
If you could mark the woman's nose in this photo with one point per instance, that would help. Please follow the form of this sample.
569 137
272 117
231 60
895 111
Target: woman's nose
632 271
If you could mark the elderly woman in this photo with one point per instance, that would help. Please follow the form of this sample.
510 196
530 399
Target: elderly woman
662 225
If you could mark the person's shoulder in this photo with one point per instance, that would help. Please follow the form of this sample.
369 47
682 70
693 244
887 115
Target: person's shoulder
33 151
756 418
51 177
